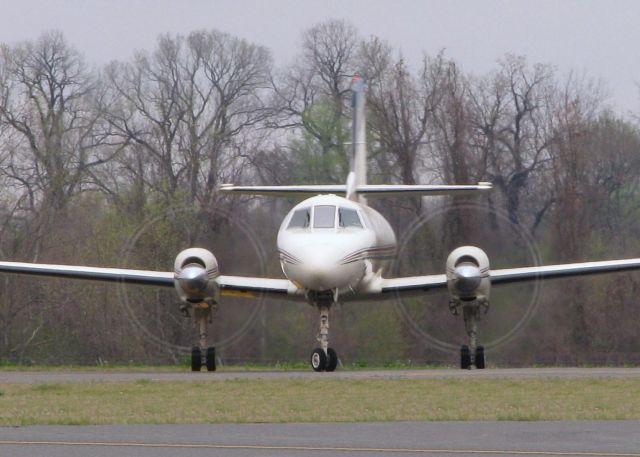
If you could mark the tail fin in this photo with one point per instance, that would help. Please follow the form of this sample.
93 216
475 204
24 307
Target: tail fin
356 187
358 160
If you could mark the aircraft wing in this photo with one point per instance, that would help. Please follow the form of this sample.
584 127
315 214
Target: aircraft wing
236 286
417 285
152 278
412 285
513 275
241 286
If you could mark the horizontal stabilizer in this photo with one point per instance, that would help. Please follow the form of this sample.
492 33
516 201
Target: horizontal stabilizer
384 190
284 191
370 190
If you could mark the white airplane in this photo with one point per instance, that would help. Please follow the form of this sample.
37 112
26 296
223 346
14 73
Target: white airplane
333 249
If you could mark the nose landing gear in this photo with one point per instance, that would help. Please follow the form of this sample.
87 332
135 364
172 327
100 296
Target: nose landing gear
324 358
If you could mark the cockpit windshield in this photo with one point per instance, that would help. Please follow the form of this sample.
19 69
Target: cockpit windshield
300 218
348 218
324 216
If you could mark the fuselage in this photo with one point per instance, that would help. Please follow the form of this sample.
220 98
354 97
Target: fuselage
330 243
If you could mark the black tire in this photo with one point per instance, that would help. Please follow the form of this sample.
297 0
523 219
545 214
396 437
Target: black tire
196 359
332 360
211 359
465 358
318 360
480 358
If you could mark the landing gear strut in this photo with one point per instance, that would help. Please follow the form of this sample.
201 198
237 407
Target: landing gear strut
471 354
203 354
324 358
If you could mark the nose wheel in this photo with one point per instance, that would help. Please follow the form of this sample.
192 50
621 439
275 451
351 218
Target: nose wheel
324 358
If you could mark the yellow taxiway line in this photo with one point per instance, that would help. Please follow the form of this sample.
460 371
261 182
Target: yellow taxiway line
320 448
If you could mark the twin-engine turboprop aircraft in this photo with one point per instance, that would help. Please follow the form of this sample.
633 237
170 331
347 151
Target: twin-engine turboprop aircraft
333 249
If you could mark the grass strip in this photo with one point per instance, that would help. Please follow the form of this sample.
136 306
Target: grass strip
250 367
331 400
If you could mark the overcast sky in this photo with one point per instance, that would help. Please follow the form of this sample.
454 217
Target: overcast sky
601 38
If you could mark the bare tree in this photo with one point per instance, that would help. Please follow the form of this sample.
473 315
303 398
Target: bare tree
56 136
53 137
510 126
185 108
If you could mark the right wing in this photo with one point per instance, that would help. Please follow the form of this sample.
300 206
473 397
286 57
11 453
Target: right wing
242 286
124 275
230 286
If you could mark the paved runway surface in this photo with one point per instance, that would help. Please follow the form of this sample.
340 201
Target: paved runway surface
512 373
471 439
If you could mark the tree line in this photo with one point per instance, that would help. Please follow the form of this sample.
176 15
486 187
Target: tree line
119 165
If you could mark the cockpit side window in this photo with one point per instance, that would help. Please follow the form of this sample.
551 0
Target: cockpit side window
324 216
300 219
348 218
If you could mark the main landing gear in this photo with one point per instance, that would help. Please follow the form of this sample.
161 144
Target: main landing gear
471 354
466 361
202 354
324 358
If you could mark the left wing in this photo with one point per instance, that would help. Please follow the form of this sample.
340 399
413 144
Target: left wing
514 275
229 285
416 285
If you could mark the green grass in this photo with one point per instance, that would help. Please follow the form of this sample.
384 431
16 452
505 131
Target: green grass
302 400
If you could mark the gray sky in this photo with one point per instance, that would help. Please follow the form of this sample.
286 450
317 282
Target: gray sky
601 38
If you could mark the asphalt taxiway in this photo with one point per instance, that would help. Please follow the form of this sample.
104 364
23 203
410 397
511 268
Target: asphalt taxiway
498 373
471 439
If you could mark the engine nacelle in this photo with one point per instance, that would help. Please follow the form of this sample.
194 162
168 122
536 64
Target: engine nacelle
468 274
196 270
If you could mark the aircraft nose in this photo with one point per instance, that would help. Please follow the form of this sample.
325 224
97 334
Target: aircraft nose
322 269
321 266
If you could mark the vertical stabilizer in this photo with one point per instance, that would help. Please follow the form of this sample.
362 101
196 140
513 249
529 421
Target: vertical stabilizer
358 162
